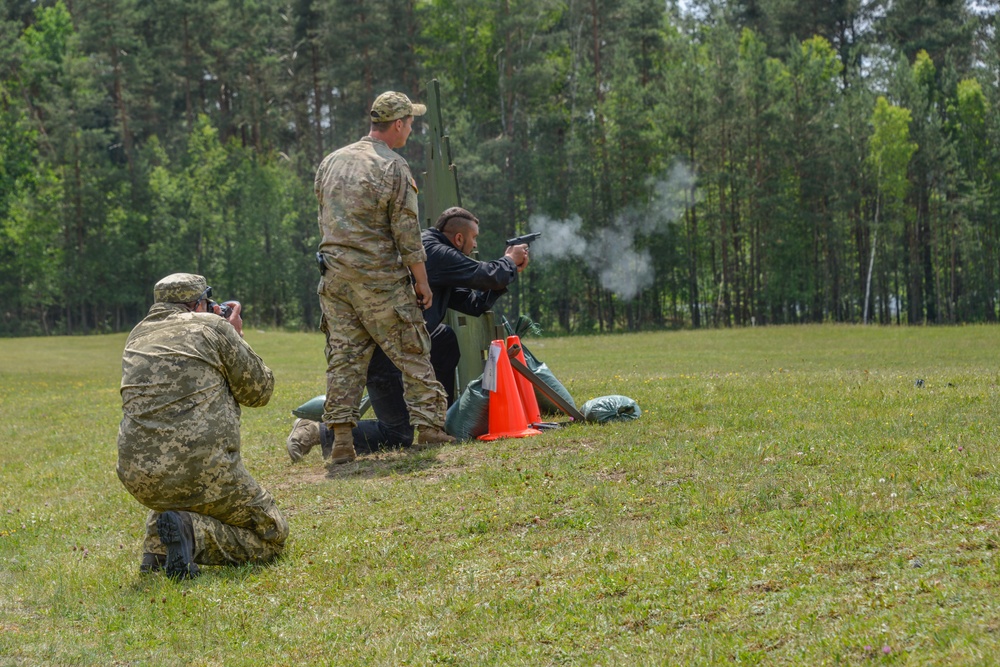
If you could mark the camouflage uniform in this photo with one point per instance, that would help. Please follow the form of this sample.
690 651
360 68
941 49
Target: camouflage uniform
370 235
184 376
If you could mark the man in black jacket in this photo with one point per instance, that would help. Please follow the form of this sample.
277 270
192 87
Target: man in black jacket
462 283
458 282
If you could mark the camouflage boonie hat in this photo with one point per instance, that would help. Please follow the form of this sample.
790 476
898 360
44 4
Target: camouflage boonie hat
179 288
393 106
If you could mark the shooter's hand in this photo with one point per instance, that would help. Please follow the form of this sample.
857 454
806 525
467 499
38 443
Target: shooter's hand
519 255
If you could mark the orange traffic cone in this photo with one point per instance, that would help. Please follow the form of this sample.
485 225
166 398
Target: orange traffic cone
507 419
524 386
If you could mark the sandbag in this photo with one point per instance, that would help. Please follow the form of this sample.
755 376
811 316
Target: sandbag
469 416
311 409
544 374
525 327
612 408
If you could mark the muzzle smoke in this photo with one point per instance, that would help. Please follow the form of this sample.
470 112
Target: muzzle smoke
611 252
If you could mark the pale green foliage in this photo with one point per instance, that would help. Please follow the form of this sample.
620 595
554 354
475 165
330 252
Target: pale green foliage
818 52
890 148
971 103
924 70
47 40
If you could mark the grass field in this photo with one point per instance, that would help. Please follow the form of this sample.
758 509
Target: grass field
790 496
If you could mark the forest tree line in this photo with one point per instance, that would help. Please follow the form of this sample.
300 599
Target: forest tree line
704 164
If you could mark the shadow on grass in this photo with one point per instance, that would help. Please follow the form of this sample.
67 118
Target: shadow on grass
149 582
387 463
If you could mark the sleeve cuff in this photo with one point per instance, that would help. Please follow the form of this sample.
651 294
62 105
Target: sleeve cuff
415 257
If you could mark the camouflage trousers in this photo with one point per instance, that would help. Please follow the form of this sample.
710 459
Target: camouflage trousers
243 524
357 318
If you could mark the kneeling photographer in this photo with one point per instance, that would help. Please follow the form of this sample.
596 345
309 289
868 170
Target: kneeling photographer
185 372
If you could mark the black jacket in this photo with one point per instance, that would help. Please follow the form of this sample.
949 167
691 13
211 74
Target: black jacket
460 282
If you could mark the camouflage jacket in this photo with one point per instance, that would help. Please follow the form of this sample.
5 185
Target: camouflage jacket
184 376
368 213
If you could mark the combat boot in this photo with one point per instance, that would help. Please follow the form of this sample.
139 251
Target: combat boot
431 435
152 562
177 534
304 436
343 444
326 442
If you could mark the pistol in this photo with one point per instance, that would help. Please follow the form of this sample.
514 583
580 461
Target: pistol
527 238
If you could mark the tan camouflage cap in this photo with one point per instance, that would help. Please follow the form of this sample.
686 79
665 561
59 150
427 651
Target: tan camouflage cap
179 288
391 105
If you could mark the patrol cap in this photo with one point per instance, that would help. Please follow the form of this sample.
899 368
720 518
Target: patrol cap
179 288
391 105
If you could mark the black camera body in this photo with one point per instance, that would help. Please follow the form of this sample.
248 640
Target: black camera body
225 310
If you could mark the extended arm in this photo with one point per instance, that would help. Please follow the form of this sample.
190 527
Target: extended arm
450 268
250 380
473 302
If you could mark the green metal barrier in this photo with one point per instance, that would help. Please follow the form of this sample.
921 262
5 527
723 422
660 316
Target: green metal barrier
440 192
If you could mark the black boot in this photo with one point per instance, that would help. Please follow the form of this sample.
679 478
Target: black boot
326 441
177 534
152 562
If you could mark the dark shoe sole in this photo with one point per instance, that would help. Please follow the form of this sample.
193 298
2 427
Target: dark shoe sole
151 563
180 546
326 441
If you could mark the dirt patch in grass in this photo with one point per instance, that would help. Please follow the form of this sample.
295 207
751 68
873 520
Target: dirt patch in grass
301 474
430 464
768 586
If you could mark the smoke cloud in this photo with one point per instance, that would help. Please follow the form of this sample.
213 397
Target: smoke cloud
560 238
611 251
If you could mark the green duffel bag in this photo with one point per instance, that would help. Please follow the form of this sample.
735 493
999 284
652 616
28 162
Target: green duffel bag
612 408
311 409
544 373
469 416
525 327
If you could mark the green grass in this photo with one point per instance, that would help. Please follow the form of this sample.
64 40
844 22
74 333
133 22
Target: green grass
789 497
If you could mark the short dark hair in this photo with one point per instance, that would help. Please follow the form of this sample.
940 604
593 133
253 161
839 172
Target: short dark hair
454 220
385 125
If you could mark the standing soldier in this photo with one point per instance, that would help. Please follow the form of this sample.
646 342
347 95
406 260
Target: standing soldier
458 282
185 373
370 249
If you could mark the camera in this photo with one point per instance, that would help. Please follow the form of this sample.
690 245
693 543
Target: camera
225 308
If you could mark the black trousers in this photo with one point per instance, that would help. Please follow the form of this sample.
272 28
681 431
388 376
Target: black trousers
391 427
